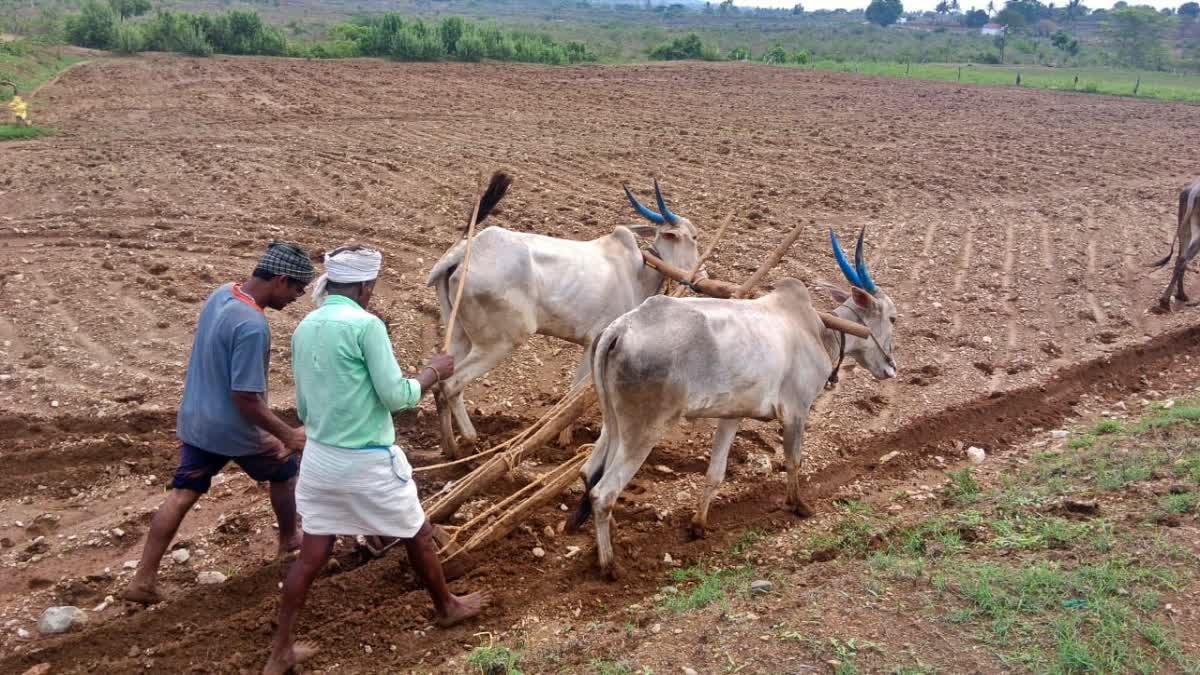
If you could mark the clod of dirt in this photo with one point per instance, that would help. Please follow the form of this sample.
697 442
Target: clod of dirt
984 367
1085 507
824 555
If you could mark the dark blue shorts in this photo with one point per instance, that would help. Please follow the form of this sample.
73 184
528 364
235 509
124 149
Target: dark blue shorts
197 468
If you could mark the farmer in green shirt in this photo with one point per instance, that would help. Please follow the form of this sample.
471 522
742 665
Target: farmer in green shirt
354 479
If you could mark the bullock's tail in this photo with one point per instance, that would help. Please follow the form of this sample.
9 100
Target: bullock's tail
1187 206
439 277
601 348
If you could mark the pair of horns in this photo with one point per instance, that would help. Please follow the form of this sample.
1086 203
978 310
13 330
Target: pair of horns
666 215
856 275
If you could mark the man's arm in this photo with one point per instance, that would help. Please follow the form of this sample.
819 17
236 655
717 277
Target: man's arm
254 408
394 390
248 381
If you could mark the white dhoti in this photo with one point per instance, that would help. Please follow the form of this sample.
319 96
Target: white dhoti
369 491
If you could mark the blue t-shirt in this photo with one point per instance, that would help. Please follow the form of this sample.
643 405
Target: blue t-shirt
231 352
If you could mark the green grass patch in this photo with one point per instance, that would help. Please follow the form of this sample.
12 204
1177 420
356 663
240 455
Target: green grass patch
20 133
30 66
1186 502
1111 81
1096 616
1105 427
495 660
962 489
702 588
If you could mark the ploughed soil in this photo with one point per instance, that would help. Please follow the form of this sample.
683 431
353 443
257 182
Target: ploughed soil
1012 227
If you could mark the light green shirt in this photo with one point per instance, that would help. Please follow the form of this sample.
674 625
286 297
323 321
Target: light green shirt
347 379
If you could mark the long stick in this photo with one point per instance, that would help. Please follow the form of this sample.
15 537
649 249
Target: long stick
755 279
724 289
462 280
711 247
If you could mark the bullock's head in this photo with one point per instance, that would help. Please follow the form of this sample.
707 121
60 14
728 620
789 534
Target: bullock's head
868 305
674 236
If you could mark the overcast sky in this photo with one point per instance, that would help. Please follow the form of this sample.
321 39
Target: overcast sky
922 5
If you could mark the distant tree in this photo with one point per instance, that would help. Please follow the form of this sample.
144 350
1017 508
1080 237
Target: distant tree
797 8
943 7
95 26
1065 43
1191 9
1075 9
708 8
1011 19
1120 4
776 54
1167 11
954 6
727 7
739 54
1001 42
128 8
1046 28
884 12
1136 36
976 18
991 7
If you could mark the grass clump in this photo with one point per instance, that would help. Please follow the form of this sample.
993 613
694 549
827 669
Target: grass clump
495 660
704 587
21 133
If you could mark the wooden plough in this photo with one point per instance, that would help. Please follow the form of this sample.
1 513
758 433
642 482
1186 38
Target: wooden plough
458 544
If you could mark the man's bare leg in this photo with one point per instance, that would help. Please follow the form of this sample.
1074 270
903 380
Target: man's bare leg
314 553
164 525
283 502
450 608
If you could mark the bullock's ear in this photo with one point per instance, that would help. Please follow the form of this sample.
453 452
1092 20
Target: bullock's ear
836 294
863 299
646 231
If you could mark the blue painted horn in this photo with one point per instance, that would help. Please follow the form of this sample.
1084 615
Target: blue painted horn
662 203
645 212
847 270
860 265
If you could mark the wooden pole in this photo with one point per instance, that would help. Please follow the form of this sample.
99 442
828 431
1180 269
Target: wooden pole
724 289
755 279
445 505
462 280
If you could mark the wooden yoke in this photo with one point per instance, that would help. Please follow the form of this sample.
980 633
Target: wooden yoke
724 289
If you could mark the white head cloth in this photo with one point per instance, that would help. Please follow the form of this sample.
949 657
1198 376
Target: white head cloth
347 267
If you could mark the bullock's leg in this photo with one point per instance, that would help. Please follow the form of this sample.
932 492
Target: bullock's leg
627 457
581 372
590 473
722 441
793 454
480 360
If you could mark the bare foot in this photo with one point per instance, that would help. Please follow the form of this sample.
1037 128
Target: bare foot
279 664
144 594
290 545
464 607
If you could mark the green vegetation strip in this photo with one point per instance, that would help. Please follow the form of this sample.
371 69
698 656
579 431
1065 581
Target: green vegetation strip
1116 82
1067 566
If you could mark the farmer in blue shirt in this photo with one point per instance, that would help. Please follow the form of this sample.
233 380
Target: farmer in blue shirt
224 413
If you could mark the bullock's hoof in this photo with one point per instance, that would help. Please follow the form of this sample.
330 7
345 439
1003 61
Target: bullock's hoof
697 531
802 510
612 573
1161 308
573 524
566 438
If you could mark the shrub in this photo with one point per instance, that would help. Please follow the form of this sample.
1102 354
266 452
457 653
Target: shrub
129 39
94 27
469 48
688 47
